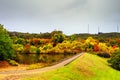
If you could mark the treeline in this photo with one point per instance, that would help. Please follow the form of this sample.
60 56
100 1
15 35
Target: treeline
49 35
46 35
99 35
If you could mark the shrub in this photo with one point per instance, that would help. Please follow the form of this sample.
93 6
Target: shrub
18 48
20 41
103 54
6 49
113 42
115 60
33 49
13 63
33 66
88 47
46 48
103 47
35 41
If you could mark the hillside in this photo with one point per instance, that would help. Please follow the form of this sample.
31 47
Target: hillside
86 67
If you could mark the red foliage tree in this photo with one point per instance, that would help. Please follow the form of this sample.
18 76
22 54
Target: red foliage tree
35 41
118 40
27 48
96 47
114 47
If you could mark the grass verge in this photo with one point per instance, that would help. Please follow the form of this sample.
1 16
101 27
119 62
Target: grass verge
86 67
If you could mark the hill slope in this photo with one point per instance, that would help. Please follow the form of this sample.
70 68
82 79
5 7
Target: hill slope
86 67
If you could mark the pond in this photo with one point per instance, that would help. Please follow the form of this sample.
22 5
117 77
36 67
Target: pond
42 58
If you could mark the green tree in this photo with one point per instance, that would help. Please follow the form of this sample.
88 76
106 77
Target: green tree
20 41
72 37
58 38
6 49
115 60
55 32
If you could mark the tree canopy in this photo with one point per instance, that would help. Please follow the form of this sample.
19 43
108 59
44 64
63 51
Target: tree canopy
6 50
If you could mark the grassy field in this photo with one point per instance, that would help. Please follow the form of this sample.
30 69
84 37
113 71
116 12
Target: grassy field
86 67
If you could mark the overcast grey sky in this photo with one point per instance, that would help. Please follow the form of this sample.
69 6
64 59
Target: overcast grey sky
70 16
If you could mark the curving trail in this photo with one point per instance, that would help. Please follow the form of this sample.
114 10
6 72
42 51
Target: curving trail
15 75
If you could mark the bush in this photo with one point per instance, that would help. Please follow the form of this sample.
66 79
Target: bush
13 63
33 66
20 41
6 49
33 49
18 48
115 60
103 54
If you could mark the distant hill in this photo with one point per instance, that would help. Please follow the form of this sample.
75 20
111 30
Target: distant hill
48 35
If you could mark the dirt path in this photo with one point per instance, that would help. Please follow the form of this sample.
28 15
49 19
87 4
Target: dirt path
15 75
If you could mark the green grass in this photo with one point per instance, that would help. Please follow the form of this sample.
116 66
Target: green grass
86 67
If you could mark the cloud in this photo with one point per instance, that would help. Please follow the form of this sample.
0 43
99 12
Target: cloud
61 13
102 8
